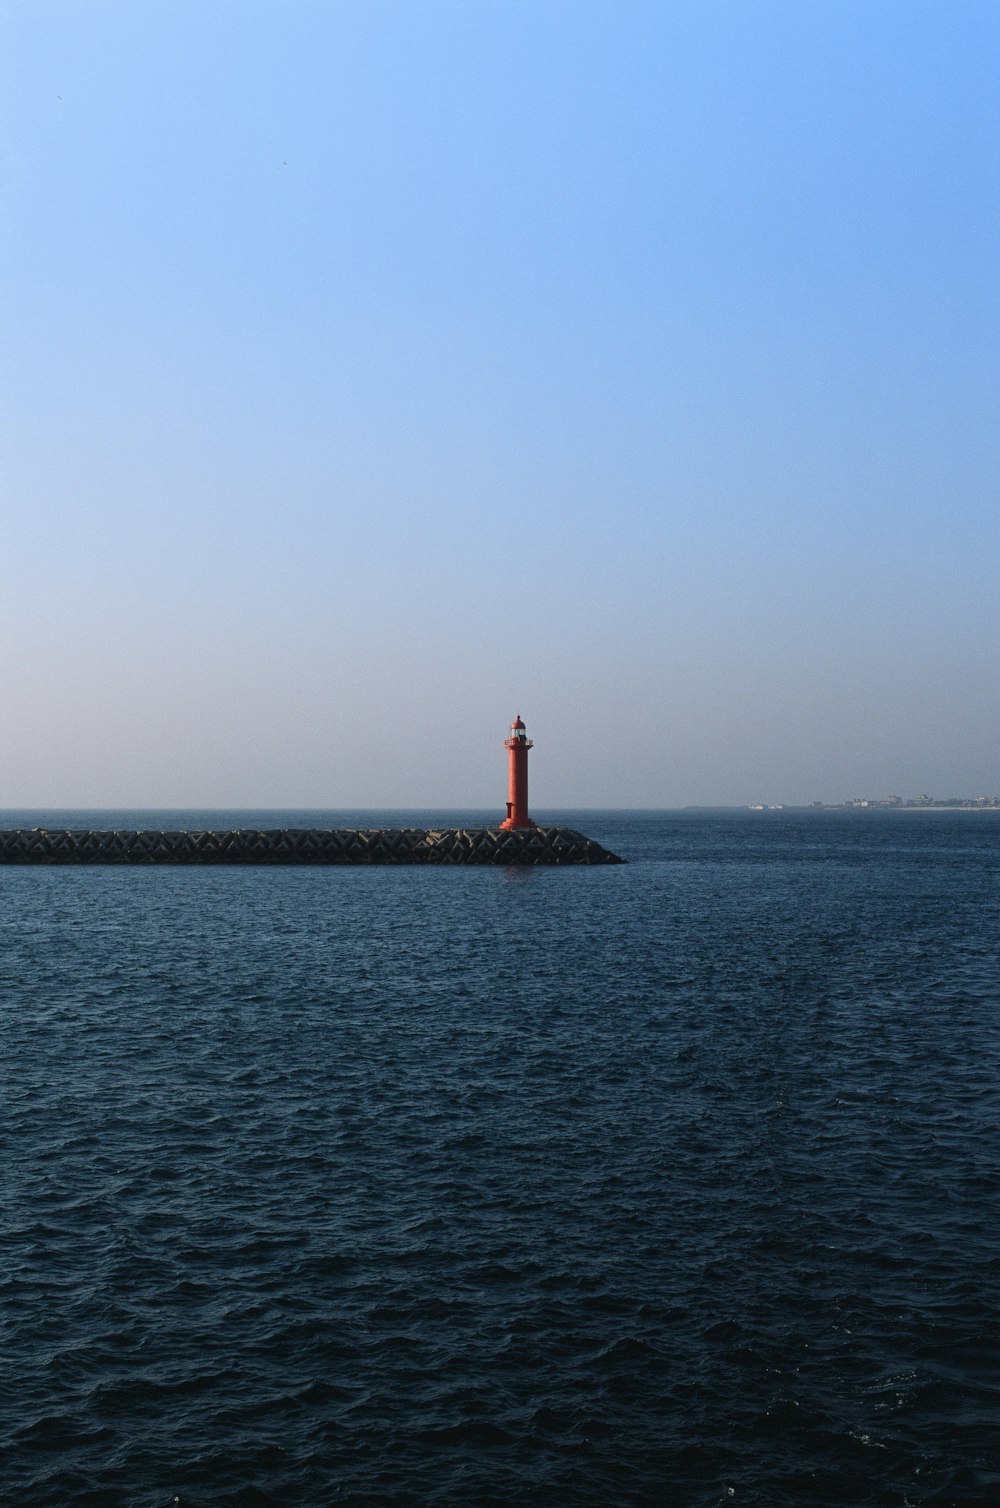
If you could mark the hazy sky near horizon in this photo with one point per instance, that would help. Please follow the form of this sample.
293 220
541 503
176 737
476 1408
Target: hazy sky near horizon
377 370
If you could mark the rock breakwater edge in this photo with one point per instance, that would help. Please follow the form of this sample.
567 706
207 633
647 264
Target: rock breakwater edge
404 845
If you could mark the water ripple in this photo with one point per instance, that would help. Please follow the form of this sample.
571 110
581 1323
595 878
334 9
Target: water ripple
670 1184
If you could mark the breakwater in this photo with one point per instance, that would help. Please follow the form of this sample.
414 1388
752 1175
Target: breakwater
403 845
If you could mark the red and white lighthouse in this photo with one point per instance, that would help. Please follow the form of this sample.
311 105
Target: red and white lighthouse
518 745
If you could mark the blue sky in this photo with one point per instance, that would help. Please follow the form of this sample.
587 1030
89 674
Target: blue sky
377 370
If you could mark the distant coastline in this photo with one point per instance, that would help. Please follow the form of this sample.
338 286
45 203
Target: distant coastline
891 804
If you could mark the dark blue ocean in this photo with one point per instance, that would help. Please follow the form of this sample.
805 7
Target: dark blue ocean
675 1183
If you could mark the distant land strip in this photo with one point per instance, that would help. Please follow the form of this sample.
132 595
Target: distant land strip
286 845
886 804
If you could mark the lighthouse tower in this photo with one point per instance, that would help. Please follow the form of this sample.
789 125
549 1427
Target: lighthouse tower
518 745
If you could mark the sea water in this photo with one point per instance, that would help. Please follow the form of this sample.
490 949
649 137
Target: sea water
675 1183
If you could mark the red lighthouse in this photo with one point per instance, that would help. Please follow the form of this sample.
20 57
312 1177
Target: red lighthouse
517 777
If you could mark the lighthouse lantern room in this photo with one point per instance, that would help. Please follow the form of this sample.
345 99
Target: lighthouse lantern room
517 745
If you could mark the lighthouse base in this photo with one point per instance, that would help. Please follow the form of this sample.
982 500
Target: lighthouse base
516 825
